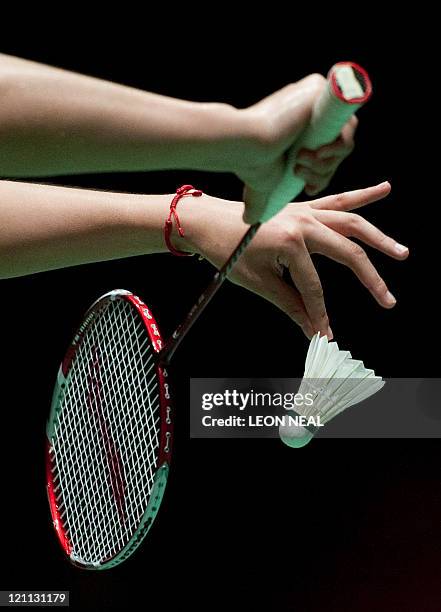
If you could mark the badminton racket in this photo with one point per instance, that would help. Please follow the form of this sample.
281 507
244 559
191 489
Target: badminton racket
110 428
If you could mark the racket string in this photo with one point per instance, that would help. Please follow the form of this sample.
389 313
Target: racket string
109 418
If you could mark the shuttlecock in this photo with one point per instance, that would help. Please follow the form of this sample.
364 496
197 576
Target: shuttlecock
332 382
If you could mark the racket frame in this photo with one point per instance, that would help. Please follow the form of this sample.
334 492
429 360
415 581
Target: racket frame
165 433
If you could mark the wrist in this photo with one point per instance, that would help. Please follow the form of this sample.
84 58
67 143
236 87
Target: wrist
212 226
196 216
226 136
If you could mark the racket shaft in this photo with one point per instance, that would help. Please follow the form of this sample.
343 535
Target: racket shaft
204 299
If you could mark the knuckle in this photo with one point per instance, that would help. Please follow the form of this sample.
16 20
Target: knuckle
293 86
356 251
301 170
316 79
291 89
303 218
354 222
321 170
314 291
340 199
293 235
382 239
328 166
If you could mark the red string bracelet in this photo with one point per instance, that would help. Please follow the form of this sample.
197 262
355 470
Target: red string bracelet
183 191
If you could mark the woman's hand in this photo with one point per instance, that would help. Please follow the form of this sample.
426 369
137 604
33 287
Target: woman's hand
287 241
279 120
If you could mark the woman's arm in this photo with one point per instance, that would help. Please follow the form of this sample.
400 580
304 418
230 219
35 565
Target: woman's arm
55 122
46 227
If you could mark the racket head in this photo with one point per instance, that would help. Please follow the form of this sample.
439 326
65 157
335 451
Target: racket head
109 433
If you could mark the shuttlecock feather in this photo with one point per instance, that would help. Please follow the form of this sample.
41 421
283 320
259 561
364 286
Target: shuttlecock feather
333 382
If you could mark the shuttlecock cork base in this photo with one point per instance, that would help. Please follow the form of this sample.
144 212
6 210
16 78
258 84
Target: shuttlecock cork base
332 382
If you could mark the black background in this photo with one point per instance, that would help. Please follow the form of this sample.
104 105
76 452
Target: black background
341 524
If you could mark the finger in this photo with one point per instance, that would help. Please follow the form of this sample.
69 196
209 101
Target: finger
259 183
310 177
288 299
343 145
313 190
351 200
322 168
255 202
326 241
314 183
349 129
307 282
338 148
310 160
354 226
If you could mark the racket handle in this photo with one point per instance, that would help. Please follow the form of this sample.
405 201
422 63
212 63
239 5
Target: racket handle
348 87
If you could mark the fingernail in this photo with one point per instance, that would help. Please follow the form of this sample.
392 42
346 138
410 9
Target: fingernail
390 300
383 186
400 249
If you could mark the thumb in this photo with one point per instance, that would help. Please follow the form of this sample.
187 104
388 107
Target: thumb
259 184
255 202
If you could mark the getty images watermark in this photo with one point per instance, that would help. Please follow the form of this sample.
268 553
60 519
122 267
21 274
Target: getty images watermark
244 401
257 407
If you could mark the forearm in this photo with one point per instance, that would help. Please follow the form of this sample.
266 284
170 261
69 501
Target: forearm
46 227
56 122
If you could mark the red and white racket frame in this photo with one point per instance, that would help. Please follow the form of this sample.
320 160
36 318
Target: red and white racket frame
166 412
